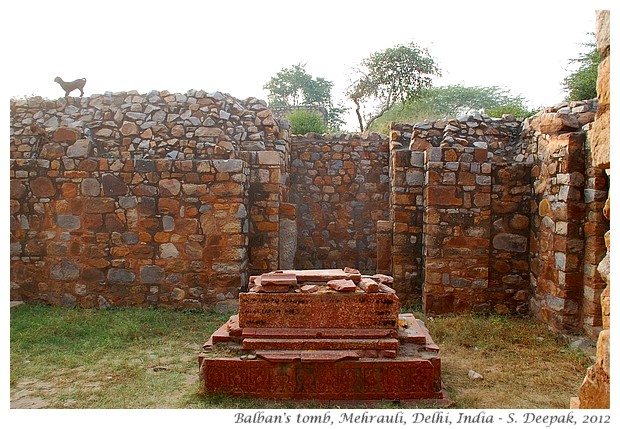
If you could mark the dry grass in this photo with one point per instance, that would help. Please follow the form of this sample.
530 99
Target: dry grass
133 358
523 364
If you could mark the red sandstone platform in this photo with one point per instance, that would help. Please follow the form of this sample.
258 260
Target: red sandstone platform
348 344
318 310
318 372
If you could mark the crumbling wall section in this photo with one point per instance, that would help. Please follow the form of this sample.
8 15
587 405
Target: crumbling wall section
460 214
596 386
407 173
566 193
103 232
340 186
143 199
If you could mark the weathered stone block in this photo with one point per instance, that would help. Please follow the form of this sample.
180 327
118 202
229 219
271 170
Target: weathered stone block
119 275
17 189
99 205
228 165
209 132
66 135
415 178
602 32
442 196
151 274
68 221
113 186
52 151
269 157
42 187
144 165
510 242
65 271
599 138
79 149
168 250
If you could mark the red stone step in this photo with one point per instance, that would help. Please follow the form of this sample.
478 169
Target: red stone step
233 326
319 344
307 355
221 335
413 332
317 333
279 356
403 378
328 355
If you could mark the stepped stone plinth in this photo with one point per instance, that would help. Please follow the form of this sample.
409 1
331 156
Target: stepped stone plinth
308 335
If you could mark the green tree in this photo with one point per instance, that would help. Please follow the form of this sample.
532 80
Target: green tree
294 87
395 75
454 100
304 122
581 83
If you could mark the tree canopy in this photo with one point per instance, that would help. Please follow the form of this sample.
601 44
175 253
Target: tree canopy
454 100
581 83
295 87
394 75
304 122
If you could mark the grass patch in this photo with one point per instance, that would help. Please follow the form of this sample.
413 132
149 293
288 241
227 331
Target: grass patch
523 364
138 358
122 358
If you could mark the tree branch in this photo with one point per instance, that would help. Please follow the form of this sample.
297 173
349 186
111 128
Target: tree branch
359 115
376 116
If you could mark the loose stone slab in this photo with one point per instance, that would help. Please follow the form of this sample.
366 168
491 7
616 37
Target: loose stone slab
386 289
355 274
381 278
278 279
343 285
368 285
278 356
270 288
309 288
320 275
329 310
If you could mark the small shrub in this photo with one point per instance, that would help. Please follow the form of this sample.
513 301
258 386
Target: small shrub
512 109
304 122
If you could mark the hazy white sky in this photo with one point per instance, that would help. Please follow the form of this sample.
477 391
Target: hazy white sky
236 46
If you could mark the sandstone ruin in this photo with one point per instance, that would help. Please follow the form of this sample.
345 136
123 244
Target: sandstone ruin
176 200
326 335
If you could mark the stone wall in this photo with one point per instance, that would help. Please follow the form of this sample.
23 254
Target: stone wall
155 125
406 214
595 390
143 199
340 186
107 232
460 214
174 199
567 223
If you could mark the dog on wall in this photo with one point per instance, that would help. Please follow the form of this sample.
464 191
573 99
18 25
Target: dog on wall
72 86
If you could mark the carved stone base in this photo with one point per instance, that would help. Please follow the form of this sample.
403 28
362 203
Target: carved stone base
348 379
353 370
